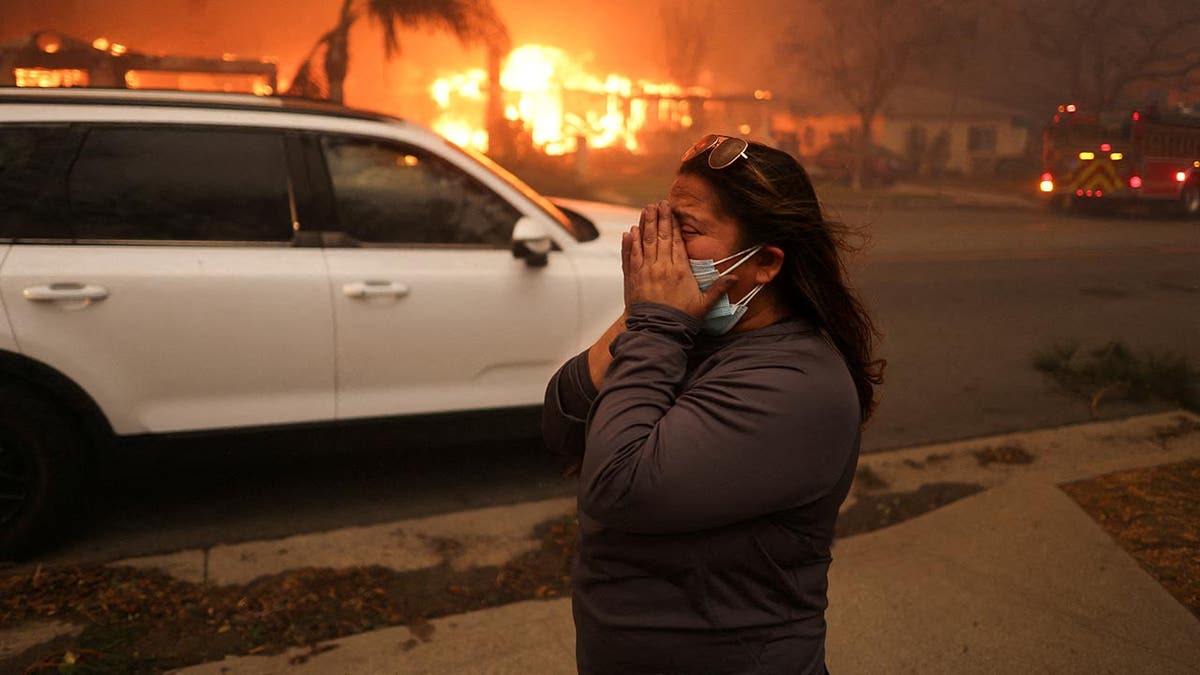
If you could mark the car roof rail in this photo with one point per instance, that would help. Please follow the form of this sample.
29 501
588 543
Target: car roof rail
189 99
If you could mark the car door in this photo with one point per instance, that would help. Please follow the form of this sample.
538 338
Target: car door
7 341
433 312
172 291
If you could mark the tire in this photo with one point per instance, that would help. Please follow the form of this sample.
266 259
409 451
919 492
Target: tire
41 470
1189 201
1062 204
1077 207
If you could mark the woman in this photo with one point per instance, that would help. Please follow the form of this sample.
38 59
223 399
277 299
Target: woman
718 438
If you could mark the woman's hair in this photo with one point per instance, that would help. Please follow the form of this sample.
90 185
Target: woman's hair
771 197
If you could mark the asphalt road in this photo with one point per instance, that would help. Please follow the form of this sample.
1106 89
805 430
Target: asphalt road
965 299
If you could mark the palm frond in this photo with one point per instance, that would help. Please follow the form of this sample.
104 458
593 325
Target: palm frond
310 80
471 21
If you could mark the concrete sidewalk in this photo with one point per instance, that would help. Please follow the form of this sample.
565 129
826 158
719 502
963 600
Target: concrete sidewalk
1014 579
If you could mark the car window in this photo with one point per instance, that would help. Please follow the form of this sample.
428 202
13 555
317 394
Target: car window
387 193
27 158
180 184
580 228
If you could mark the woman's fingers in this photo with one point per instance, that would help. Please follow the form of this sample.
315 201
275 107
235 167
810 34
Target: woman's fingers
631 263
714 292
626 249
665 225
678 251
635 249
650 232
656 266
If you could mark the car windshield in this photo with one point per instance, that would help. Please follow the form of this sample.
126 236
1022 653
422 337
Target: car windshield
519 185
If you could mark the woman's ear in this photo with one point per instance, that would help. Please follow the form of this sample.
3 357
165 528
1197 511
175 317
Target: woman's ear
770 262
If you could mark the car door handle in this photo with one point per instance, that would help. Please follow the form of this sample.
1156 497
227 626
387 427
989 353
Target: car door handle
375 289
65 291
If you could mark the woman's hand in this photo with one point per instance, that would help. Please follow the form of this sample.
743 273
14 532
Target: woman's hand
655 264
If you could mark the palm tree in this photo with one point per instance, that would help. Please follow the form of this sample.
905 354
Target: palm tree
471 21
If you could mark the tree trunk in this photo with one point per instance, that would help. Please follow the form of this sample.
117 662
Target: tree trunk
337 54
500 144
1075 76
1100 70
862 153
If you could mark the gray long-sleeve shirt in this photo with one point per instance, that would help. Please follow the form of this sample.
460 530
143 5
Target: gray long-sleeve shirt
712 473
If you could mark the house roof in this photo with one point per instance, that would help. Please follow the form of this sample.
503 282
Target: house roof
72 52
915 102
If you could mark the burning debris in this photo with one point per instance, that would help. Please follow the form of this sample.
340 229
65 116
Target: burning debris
46 59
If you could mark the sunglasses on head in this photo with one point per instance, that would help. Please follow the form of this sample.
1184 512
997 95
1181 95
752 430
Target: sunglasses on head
722 150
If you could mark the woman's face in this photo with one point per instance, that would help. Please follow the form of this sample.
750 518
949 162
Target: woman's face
709 234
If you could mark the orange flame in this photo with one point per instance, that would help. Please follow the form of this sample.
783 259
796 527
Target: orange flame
558 102
50 77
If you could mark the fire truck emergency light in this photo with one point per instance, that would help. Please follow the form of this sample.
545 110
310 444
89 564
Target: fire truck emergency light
1180 176
1087 156
1135 182
1116 157
1071 108
1047 184
1105 147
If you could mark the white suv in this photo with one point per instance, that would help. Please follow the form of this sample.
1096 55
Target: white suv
173 263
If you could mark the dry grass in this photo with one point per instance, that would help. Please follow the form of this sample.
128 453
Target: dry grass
1154 513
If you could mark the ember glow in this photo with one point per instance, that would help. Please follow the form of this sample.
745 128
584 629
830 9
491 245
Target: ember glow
558 102
73 63
198 81
50 77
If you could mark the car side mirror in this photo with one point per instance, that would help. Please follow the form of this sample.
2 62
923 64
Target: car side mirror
531 242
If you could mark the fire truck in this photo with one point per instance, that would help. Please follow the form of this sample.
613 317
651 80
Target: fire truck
1106 159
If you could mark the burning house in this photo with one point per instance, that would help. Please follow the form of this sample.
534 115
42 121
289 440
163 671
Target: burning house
46 59
555 105
551 102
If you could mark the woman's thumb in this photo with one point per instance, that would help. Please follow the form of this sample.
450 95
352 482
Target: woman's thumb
719 288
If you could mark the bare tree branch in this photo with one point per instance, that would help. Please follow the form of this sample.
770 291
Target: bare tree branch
1122 47
863 50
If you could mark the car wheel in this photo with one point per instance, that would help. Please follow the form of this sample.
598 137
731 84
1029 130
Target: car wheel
40 471
1060 203
1189 201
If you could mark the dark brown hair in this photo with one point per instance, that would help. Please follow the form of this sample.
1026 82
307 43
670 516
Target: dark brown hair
771 197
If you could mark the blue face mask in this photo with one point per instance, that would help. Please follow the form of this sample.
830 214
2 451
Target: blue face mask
724 315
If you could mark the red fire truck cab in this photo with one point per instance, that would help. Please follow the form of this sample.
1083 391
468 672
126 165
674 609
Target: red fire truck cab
1120 158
